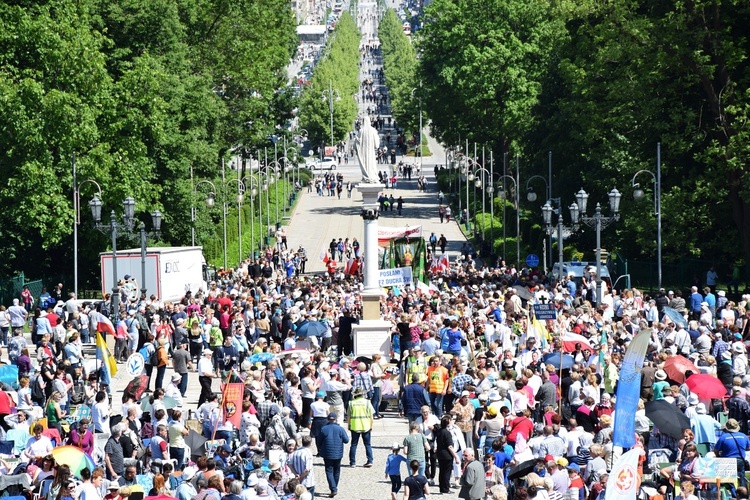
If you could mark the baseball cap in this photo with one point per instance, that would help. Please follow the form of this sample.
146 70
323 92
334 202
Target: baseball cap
465 393
333 416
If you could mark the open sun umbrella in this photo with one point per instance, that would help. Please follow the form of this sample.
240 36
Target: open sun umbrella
74 458
706 386
169 403
261 357
522 469
667 417
523 292
137 386
556 359
676 366
303 353
674 316
311 329
196 442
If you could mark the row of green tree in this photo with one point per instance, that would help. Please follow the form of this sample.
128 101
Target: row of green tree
140 92
600 84
335 82
400 69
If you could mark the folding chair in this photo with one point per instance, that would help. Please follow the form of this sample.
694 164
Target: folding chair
6 447
20 437
722 418
44 487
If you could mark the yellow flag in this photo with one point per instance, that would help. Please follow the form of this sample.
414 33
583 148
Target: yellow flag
108 361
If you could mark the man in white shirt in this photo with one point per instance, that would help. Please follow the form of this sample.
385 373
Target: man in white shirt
173 389
575 431
100 413
682 341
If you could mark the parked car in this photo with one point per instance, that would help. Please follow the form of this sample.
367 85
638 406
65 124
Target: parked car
328 163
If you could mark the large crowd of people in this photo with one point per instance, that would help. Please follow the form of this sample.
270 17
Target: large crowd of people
466 371
492 402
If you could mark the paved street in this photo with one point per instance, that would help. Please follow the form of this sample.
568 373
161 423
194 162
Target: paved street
315 221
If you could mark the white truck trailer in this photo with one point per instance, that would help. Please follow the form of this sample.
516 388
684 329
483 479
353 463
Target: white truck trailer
169 271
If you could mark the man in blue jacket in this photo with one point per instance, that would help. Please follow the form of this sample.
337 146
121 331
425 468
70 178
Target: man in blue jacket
413 399
332 437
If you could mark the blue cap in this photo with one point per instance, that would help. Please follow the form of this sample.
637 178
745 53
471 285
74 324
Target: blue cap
574 466
321 394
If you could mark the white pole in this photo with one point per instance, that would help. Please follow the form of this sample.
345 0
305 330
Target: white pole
77 209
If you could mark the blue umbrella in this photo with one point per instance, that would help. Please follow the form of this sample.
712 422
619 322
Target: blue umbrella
311 329
674 316
261 357
555 358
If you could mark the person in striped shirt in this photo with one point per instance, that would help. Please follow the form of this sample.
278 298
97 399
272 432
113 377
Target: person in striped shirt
301 463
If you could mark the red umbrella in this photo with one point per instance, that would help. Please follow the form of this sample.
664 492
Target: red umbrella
676 366
706 386
137 386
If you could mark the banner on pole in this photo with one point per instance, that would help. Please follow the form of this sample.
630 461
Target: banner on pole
232 403
400 276
624 480
545 311
629 390
393 233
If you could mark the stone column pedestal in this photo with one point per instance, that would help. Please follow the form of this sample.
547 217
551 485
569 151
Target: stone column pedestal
370 213
372 337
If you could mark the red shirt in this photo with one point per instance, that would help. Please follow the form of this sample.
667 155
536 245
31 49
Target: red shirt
224 303
53 319
520 425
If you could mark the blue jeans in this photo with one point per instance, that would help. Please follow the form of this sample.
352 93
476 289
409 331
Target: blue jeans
4 331
353 447
183 384
376 400
85 336
178 454
422 465
333 473
436 403
160 371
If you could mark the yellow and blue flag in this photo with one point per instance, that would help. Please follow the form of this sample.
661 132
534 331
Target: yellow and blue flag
109 365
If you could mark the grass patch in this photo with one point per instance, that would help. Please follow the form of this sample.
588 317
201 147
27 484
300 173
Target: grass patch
425 151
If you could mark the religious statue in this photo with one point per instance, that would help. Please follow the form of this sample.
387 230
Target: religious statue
367 143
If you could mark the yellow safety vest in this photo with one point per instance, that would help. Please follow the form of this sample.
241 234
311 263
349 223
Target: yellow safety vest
360 414
418 366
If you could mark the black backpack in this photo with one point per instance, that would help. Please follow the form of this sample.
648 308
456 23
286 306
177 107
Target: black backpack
37 391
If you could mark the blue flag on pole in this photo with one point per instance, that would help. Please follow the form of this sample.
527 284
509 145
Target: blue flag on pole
629 390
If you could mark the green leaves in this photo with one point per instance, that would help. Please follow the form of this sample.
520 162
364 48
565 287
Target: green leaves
336 76
400 68
139 91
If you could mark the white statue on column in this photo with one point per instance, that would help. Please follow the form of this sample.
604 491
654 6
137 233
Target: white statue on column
367 143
